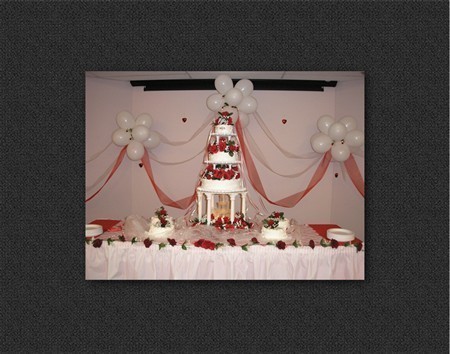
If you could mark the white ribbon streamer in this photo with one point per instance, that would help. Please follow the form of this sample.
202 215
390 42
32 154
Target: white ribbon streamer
256 151
207 122
154 158
93 157
102 177
275 142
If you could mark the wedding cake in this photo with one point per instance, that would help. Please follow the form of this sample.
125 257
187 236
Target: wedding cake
222 176
161 225
275 226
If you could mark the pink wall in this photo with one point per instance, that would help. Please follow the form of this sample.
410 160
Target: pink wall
104 99
301 109
347 207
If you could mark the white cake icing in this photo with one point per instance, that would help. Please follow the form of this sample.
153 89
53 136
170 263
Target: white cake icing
273 234
283 224
221 185
223 157
158 232
223 129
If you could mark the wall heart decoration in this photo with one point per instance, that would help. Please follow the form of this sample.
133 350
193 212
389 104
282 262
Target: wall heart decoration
184 120
284 120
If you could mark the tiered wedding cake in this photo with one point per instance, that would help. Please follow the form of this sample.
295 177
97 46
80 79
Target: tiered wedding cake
222 176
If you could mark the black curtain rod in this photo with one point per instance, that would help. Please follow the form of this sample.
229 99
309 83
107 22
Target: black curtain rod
208 84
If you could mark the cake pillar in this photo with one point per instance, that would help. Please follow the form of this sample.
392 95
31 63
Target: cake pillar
243 203
232 198
208 208
200 205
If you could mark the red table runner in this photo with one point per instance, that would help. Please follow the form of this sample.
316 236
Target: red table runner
107 224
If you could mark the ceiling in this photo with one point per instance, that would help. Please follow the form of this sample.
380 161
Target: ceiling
262 75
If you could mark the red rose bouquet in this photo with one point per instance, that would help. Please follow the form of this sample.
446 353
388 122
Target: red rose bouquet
224 118
223 145
221 172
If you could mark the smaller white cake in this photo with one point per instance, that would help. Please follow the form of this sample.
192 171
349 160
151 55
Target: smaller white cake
222 157
274 234
156 232
221 185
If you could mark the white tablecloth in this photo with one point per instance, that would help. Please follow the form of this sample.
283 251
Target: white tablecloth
127 261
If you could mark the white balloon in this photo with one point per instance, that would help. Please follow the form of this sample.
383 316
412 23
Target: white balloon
321 142
215 102
135 150
340 152
144 119
349 122
233 97
223 83
121 137
245 86
324 123
244 119
248 105
152 141
355 138
337 131
125 120
140 133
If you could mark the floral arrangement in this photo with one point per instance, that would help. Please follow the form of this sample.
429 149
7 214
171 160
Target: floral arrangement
224 118
272 221
163 219
224 145
224 223
221 172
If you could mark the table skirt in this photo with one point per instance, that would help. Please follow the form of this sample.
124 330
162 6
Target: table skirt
127 261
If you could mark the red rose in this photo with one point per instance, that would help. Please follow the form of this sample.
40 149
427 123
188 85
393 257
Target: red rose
199 242
270 222
163 212
238 175
254 240
231 242
147 242
97 243
237 149
222 145
312 244
334 243
218 174
209 168
229 226
235 168
230 121
224 114
281 245
358 246
208 245
208 177
226 219
231 148
276 215
172 241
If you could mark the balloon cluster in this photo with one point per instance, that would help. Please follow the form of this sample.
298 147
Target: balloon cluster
135 133
238 96
337 136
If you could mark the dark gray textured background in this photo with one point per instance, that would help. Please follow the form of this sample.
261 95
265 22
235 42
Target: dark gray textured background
46 305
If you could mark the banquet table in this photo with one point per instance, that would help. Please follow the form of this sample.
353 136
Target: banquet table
128 260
